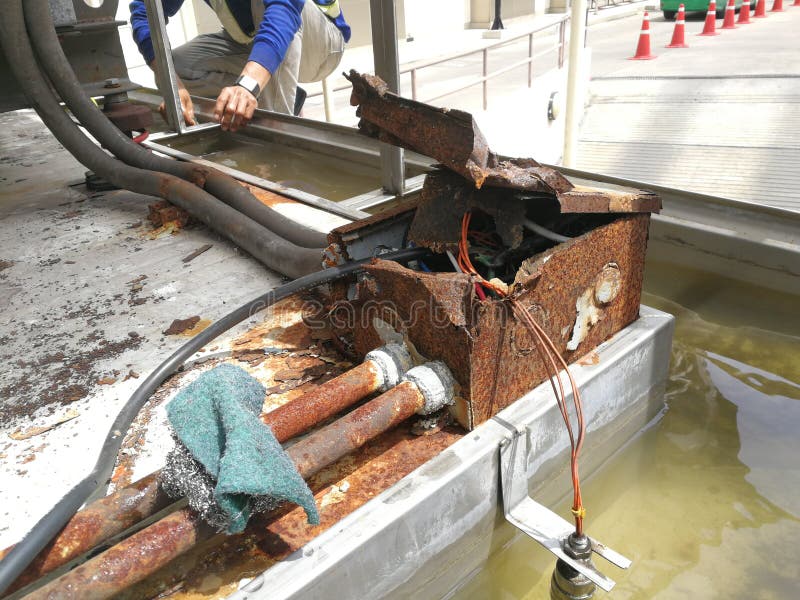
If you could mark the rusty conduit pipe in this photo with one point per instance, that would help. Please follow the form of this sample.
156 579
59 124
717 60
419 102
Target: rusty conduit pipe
50 55
381 370
425 389
107 517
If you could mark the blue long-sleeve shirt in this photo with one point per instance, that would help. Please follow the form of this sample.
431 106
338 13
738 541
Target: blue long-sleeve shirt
272 37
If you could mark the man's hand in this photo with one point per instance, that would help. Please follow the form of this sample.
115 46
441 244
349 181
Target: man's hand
186 106
235 107
186 101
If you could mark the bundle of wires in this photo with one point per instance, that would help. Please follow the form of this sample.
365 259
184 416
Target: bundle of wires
551 358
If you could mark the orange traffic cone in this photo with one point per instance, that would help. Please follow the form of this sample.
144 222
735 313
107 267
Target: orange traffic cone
679 34
744 14
643 48
730 16
761 9
777 6
710 26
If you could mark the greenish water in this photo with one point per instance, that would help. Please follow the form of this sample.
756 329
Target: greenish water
323 175
705 501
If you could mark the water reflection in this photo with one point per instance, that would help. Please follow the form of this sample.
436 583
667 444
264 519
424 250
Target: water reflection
706 501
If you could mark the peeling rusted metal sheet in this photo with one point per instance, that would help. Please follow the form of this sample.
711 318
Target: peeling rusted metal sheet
452 137
446 197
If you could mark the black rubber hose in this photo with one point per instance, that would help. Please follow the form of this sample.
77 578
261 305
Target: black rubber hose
50 55
269 248
40 535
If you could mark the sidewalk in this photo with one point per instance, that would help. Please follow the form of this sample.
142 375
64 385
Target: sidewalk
720 117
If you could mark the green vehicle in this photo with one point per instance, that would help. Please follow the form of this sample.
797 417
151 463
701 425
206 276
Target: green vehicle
670 7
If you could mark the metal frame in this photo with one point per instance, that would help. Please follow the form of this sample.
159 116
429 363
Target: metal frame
413 68
316 136
166 76
387 67
536 520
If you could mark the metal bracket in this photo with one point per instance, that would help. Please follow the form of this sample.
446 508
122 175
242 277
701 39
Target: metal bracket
166 77
539 522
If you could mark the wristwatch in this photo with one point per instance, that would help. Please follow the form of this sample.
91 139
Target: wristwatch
250 84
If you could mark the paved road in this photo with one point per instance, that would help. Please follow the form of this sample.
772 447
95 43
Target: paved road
720 117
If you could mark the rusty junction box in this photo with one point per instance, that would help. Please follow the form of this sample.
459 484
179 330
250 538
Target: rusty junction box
572 255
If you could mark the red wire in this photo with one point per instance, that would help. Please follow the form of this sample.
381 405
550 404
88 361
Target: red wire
141 137
551 359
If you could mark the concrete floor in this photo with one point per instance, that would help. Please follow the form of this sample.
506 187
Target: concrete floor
87 290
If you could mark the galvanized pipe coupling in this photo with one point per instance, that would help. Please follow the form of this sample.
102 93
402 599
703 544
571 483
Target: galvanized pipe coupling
436 383
392 361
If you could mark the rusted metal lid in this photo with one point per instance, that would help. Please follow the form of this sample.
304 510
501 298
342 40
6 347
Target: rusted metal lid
453 138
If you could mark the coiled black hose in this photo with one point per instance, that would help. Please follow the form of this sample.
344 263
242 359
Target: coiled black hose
26 550
50 55
269 248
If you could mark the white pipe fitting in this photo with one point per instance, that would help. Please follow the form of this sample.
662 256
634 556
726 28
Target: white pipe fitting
392 360
436 383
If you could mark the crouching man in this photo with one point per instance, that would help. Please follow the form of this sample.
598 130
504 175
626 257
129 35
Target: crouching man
265 48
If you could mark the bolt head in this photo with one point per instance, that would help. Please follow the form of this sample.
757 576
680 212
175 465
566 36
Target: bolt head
112 82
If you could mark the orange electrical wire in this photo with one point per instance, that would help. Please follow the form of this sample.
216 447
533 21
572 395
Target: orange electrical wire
551 358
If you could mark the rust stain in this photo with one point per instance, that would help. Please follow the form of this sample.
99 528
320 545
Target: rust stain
163 214
267 197
181 325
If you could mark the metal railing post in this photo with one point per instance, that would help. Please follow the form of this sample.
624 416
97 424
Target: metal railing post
485 83
327 99
413 84
166 77
530 59
387 67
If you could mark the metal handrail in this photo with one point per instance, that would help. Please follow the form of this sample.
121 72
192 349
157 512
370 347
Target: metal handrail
413 68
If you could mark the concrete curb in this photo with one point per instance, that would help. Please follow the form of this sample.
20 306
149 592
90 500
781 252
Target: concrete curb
622 11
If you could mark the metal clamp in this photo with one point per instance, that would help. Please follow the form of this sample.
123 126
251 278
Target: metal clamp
539 522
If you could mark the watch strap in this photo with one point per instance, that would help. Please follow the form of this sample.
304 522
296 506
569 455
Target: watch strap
250 84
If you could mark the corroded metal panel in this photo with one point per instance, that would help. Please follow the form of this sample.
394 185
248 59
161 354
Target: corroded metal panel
580 292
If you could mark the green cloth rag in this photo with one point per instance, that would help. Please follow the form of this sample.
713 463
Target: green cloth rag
217 418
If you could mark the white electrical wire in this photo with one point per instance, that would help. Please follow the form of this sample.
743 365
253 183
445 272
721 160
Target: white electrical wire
544 232
455 263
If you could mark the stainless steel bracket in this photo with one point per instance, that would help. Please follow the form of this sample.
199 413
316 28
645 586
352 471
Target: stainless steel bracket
536 520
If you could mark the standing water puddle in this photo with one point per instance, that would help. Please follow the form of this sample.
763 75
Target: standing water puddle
323 175
706 501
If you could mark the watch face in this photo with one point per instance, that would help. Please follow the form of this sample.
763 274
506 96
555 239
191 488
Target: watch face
249 84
